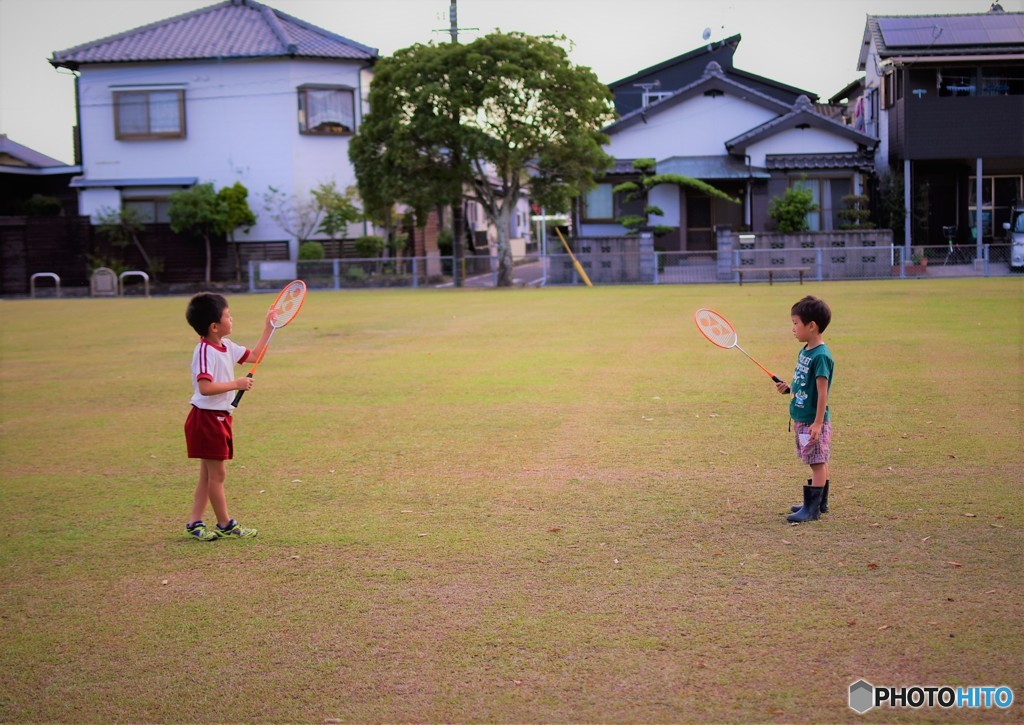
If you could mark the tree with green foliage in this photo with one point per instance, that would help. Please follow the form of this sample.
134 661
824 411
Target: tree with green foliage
856 214
199 211
633 190
235 199
121 227
789 210
485 120
338 209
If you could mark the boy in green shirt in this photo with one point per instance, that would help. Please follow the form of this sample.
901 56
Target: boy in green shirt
808 407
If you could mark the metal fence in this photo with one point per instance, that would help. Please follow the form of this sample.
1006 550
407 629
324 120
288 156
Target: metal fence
618 268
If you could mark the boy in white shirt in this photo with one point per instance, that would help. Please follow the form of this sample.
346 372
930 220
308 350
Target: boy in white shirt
208 426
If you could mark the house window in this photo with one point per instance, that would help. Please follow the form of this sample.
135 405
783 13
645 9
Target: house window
828 194
599 203
153 114
998 194
326 110
602 204
150 211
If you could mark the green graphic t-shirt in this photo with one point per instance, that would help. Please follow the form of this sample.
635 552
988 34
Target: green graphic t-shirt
810 365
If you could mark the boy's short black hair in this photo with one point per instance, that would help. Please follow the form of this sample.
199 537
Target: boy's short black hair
813 309
203 310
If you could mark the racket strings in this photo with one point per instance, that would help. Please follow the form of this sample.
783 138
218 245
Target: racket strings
288 303
716 328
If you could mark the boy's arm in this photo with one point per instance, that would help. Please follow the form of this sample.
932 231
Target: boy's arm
821 383
268 328
208 387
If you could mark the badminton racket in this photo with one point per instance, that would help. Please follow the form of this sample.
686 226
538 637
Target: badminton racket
720 331
285 309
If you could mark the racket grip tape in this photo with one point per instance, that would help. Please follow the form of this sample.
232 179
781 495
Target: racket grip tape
239 394
774 377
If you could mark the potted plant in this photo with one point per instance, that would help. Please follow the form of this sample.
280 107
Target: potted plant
918 262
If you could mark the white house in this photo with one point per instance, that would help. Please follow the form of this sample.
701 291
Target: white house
237 91
738 137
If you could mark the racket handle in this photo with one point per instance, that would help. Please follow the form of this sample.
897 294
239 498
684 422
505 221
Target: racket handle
238 395
774 377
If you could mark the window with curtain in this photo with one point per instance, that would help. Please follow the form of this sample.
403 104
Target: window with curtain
150 210
327 110
149 114
599 203
828 195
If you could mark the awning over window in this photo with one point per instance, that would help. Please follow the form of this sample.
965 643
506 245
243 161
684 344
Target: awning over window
82 183
711 168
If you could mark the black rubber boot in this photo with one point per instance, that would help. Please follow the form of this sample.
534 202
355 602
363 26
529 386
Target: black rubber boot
811 510
824 500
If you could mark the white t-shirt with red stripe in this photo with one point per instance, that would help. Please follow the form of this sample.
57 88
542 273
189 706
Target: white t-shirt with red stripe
216 363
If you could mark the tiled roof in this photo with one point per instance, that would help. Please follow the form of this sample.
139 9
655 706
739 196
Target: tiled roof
730 42
715 168
24 156
847 160
803 113
622 166
714 79
230 29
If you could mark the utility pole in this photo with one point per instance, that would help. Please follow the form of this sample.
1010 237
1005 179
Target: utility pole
457 236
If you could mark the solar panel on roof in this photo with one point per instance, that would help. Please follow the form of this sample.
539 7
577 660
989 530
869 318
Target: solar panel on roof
952 30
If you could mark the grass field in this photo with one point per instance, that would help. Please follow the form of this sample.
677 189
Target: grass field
514 506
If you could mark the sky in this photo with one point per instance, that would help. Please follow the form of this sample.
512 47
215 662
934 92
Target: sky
809 44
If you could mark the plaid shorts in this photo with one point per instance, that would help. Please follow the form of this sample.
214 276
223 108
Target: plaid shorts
813 452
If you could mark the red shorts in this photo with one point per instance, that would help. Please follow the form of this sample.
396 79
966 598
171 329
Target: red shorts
208 435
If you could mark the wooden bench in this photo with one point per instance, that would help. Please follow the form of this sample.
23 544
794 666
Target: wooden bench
770 270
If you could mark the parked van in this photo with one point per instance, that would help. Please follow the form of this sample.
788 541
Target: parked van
1015 231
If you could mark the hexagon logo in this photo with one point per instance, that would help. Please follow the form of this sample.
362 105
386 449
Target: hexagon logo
862 696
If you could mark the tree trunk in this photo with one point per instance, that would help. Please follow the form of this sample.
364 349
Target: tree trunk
142 251
505 268
238 257
209 257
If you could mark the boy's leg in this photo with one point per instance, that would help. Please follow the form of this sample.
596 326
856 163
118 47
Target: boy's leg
216 473
810 510
202 494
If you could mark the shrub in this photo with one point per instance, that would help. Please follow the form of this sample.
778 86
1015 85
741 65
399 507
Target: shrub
311 250
444 242
369 246
856 215
40 205
789 210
